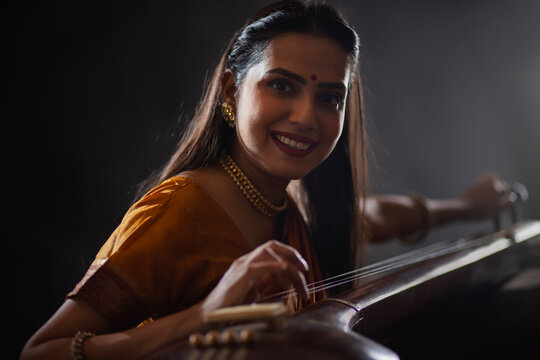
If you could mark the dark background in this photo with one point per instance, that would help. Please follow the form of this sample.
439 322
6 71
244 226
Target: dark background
95 93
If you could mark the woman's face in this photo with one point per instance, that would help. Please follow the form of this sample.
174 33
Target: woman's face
290 106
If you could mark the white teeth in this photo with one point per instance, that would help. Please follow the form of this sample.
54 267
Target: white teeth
292 143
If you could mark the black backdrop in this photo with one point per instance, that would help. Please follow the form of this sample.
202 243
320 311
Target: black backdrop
95 93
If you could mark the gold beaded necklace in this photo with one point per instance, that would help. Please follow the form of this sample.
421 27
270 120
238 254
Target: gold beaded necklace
249 190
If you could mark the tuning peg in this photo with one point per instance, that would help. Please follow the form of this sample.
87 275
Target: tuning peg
195 340
246 336
211 338
227 337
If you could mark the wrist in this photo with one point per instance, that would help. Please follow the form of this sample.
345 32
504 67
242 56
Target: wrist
207 305
77 344
420 206
445 210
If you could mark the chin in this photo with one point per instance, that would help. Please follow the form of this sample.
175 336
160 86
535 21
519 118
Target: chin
292 173
293 169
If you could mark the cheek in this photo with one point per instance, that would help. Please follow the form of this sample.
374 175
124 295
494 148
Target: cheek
255 115
250 126
333 130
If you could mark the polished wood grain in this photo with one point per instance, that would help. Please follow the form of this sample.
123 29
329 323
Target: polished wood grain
352 325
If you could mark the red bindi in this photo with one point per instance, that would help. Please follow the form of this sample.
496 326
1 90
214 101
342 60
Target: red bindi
313 77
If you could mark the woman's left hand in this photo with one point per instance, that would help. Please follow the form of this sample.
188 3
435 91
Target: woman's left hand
486 197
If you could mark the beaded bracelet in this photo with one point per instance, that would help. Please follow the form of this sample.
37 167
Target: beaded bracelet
77 342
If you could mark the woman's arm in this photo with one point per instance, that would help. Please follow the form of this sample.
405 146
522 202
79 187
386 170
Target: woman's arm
53 340
391 216
270 263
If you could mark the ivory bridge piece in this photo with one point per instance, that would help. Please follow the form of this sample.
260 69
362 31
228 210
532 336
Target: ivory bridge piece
348 325
252 312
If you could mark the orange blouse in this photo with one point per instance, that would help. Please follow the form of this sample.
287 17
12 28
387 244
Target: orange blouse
169 252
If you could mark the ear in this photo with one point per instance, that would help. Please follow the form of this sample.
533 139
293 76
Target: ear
228 88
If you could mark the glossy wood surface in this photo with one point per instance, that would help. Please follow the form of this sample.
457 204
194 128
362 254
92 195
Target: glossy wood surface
343 327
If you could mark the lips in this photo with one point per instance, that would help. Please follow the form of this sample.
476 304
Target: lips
297 145
292 144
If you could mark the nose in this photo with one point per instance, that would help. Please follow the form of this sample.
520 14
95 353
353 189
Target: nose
303 113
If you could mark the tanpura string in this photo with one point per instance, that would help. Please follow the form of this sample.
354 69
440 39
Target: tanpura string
394 263
410 258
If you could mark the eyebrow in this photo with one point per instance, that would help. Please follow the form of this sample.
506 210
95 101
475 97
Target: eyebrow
300 79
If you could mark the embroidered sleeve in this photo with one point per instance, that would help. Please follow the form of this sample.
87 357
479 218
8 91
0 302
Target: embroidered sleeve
169 251
125 283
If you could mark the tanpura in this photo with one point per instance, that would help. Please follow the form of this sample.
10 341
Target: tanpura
349 325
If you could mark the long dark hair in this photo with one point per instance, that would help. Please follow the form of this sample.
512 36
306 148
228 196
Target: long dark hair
331 195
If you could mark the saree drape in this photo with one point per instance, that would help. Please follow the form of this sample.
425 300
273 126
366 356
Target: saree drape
169 251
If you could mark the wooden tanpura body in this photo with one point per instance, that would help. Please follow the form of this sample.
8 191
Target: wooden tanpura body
352 324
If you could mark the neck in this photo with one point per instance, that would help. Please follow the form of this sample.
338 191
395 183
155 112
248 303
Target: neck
272 188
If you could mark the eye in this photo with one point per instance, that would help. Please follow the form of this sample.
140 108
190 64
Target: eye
281 85
331 99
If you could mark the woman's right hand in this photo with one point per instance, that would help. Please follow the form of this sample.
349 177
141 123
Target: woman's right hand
272 264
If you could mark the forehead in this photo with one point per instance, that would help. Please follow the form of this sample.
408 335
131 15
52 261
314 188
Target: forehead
307 55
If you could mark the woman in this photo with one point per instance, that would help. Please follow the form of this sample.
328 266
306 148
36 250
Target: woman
284 103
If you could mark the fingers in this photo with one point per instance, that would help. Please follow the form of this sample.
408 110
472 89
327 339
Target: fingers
287 252
500 191
270 264
505 195
282 274
292 265
508 199
488 196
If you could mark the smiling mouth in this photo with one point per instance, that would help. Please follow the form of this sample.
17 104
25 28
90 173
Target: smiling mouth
293 144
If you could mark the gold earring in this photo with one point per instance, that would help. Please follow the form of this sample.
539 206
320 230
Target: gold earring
228 114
